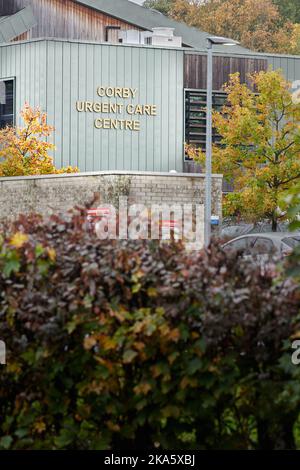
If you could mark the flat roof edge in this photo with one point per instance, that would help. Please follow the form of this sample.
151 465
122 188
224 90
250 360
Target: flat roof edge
186 50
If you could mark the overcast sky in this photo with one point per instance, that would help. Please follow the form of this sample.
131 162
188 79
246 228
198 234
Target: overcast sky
140 2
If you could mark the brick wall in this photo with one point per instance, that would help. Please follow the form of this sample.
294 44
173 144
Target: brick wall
56 193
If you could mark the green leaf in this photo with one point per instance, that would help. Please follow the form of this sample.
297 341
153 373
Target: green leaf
136 288
129 355
22 432
5 442
12 266
39 250
194 365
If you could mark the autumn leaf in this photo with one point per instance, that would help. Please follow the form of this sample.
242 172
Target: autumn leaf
152 292
39 427
89 342
174 335
52 254
143 388
108 343
129 355
188 382
19 239
113 426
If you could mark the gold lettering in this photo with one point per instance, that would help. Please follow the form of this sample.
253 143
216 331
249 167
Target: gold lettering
153 110
110 92
136 125
97 107
89 106
98 123
114 124
106 124
118 92
130 109
122 124
147 109
80 106
101 91
113 108
139 109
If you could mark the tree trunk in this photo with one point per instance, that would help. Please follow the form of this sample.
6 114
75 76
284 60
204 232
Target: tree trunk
274 224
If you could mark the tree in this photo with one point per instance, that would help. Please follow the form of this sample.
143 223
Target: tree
260 145
289 9
256 24
24 150
294 47
164 6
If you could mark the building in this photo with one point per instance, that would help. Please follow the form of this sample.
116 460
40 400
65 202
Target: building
123 86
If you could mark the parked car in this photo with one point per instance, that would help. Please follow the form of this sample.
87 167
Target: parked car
263 246
232 230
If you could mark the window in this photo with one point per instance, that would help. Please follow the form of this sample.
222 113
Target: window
263 246
240 246
292 242
195 116
7 98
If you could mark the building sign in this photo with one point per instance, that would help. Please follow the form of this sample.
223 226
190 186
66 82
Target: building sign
106 108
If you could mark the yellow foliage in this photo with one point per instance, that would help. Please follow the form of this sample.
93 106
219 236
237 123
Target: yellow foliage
295 40
260 149
24 150
256 24
51 254
19 239
39 427
143 388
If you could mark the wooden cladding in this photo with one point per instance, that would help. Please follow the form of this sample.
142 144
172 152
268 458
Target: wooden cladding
195 70
68 19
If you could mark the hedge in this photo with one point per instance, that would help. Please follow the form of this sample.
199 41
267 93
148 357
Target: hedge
140 344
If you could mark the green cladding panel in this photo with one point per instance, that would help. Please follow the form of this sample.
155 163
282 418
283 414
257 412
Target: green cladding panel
27 63
55 74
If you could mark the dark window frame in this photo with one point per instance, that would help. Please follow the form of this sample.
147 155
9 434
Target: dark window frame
11 79
201 142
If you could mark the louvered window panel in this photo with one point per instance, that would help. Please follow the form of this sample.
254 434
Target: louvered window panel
195 116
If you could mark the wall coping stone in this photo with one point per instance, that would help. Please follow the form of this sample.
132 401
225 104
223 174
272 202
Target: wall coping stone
107 173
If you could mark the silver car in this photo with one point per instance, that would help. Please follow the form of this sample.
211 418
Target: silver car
263 246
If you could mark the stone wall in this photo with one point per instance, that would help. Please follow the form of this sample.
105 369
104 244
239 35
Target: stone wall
57 193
